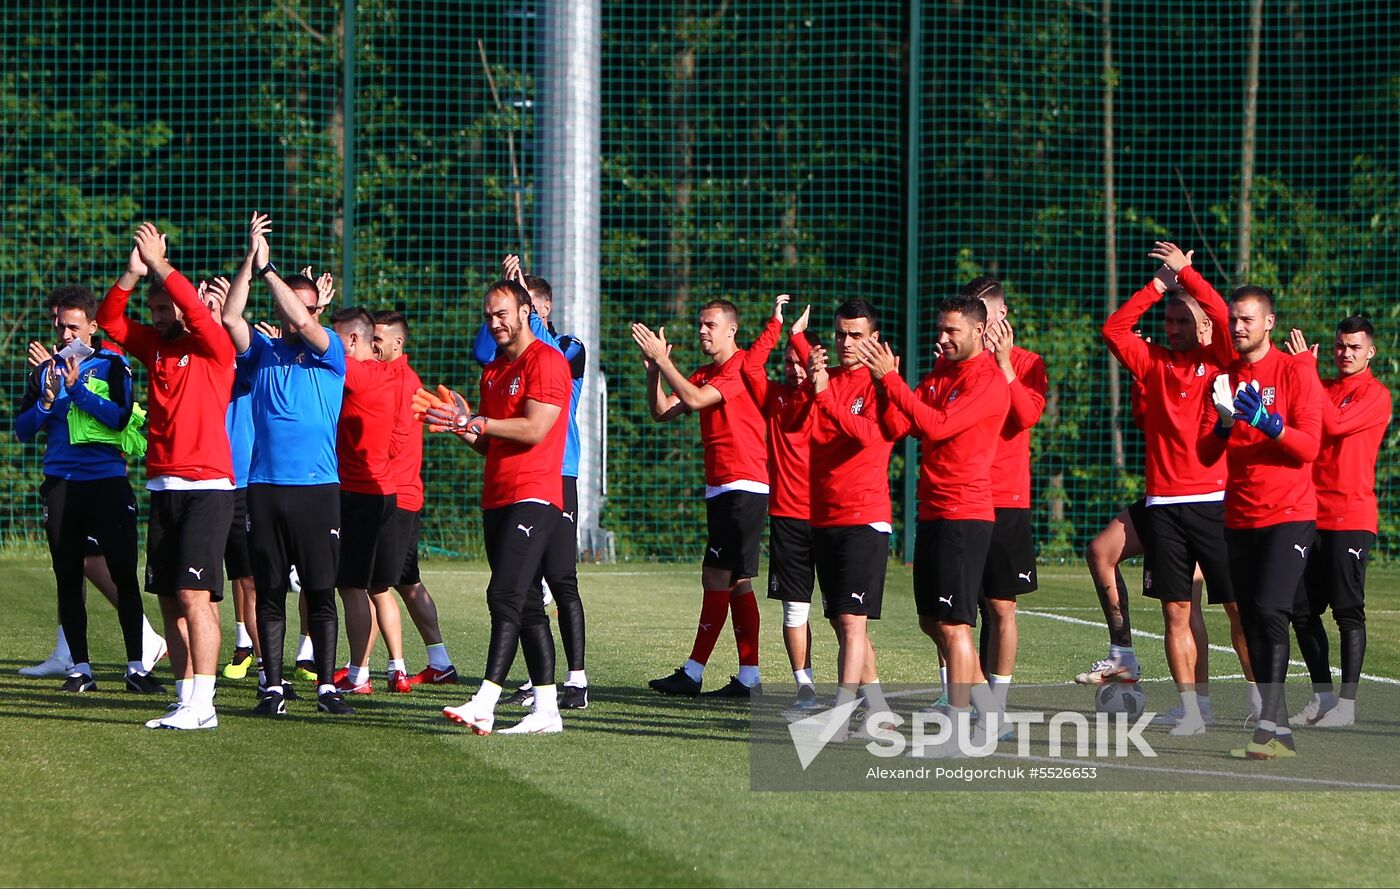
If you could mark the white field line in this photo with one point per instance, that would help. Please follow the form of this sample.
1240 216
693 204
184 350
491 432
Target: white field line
1224 649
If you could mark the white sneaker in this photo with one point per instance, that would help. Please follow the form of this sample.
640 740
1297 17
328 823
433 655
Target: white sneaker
478 719
155 723
152 651
537 723
1109 670
1186 728
1311 711
1175 715
186 718
53 665
1336 717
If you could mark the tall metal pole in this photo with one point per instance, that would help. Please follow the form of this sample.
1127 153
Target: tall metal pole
569 215
911 263
347 208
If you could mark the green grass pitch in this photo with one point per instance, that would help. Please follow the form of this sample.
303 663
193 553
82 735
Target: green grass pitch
639 789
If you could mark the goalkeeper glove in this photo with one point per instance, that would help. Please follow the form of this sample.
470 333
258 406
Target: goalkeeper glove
447 411
1249 406
1223 400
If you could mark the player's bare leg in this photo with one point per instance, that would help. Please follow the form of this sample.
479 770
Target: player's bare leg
1180 646
359 634
1240 642
1116 542
389 622
967 686
1002 642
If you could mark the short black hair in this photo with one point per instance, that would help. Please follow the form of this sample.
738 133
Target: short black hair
58 293
356 317
1357 324
1253 291
983 287
522 296
391 318
299 281
967 306
856 307
79 298
539 287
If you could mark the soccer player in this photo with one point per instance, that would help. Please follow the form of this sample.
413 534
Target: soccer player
559 566
791 565
1355 417
370 557
1184 512
189 465
1010 563
959 414
85 490
406 463
298 384
1265 415
521 431
736 488
60 661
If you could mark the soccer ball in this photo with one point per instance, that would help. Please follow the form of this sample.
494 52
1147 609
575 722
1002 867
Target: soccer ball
1120 697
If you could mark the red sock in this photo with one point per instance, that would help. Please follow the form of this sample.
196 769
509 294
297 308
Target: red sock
714 609
745 608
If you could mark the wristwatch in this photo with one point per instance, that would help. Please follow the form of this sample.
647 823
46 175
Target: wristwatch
262 272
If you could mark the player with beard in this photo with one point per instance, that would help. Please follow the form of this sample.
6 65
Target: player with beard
189 465
736 488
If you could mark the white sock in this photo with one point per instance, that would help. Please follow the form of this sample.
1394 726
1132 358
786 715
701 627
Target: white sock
546 699
748 675
874 696
304 649
437 656
527 685
1267 726
1190 707
943 681
85 668
576 679
1282 729
1203 704
1255 701
488 695
1121 653
803 677
395 665
694 669
1000 686
358 675
202 693
984 700
135 667
242 640
325 688
1346 707
60 648
183 688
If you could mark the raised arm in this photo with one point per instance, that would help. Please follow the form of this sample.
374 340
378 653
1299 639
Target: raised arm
1127 346
294 310
207 333
1222 345
686 396
1028 394
237 300
111 314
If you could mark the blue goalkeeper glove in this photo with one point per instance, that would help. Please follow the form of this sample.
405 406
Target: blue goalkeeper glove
1249 406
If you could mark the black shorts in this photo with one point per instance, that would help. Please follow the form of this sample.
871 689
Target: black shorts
1183 536
1010 568
1336 572
370 556
294 525
851 561
185 543
950 556
237 561
790 566
1137 516
1267 564
410 528
734 532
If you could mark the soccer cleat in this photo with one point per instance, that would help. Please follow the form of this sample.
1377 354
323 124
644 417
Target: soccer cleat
1311 712
288 691
536 723
1273 749
78 682
306 671
331 702
152 654
186 718
478 719
341 675
345 687
523 697
1108 670
678 683
1174 715
398 682
1185 728
434 676
143 683
238 667
806 697
155 723
51 666
734 689
1336 717
573 697
271 704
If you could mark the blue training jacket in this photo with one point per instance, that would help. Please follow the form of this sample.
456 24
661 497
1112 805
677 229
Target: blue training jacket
62 458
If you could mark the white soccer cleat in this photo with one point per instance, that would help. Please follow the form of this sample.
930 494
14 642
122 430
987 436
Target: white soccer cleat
1109 670
51 666
1336 717
1186 728
152 651
186 718
478 719
536 723
1311 712
1174 716
155 723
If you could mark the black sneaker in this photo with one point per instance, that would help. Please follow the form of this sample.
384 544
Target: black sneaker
270 704
78 682
572 697
678 683
143 683
735 689
523 697
331 702
288 692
